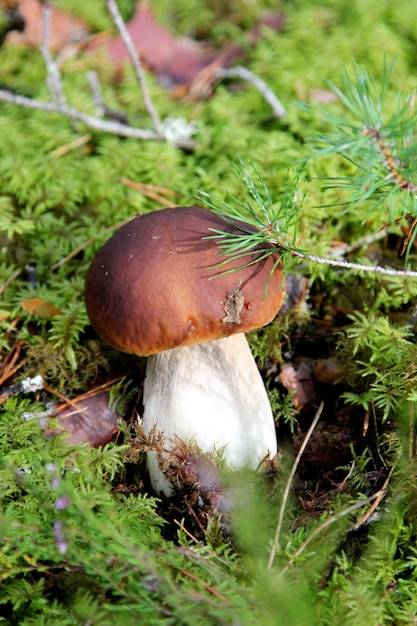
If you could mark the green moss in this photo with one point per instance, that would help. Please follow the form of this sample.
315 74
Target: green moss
57 208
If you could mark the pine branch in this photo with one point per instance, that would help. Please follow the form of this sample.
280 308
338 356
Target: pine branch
379 142
275 228
382 148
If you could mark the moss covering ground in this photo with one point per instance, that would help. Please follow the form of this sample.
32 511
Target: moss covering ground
81 541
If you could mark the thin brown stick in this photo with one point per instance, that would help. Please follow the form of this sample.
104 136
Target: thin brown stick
154 192
289 483
187 532
11 372
75 143
88 242
95 390
201 582
382 492
9 367
327 523
11 278
59 395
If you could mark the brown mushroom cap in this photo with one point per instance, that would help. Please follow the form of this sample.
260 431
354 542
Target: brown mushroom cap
152 285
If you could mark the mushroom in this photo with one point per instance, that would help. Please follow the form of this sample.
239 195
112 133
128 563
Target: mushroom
153 290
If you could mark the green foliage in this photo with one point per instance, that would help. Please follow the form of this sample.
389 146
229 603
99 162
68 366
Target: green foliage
77 544
378 138
271 226
58 514
385 363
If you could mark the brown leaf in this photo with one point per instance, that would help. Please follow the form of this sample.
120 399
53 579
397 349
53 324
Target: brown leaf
178 61
296 293
327 370
173 59
64 28
40 308
299 383
90 420
323 96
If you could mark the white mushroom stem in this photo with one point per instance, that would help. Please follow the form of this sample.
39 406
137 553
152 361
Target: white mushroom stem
210 394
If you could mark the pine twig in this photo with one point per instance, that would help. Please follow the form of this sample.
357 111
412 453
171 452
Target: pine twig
377 269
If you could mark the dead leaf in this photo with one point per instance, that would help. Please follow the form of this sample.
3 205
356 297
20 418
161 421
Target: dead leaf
323 96
299 383
90 420
40 308
173 59
65 29
296 293
178 61
327 370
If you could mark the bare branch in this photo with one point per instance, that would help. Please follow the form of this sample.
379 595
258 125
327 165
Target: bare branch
377 269
102 110
289 483
96 93
107 126
329 522
244 74
53 80
344 248
179 134
137 65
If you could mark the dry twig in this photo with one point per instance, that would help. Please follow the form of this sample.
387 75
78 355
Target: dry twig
11 278
244 74
137 66
289 483
54 79
377 269
331 520
60 105
377 500
114 128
